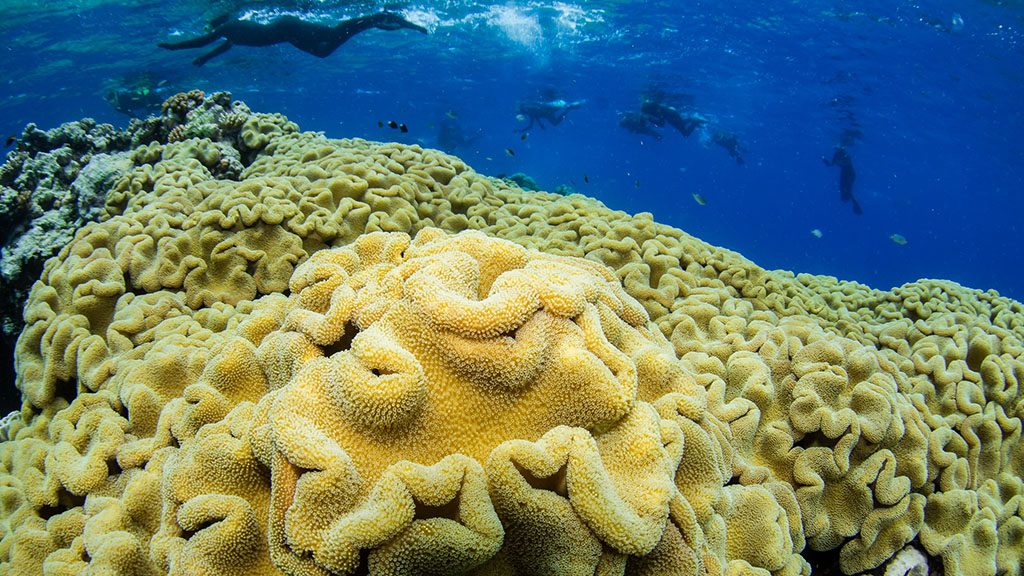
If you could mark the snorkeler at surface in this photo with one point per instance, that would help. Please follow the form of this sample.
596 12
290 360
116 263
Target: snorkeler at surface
847 175
549 108
317 39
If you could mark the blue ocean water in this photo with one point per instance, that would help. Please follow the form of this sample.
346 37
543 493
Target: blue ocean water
930 89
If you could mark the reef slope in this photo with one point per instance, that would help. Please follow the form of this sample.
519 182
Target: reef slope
280 353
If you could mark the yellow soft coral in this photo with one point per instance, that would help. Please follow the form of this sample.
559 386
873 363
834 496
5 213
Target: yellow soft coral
466 321
209 387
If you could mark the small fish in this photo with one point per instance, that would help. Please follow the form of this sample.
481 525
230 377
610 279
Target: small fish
403 128
524 136
380 124
510 152
451 114
636 184
10 140
898 239
816 233
586 179
521 117
392 124
699 199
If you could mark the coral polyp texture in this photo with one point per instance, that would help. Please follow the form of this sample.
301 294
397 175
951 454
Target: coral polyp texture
348 357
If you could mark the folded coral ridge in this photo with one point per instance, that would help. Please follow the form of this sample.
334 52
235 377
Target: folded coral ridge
351 357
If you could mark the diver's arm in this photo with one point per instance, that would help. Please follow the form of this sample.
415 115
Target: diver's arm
651 132
224 47
839 158
191 43
856 206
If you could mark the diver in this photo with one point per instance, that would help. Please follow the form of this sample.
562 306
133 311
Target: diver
638 123
450 136
847 175
729 141
656 112
549 107
136 95
659 113
317 39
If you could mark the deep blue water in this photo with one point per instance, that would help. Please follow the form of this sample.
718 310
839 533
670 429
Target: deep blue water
935 89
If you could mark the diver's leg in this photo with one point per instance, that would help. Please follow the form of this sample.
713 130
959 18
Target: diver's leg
688 126
856 206
190 43
846 179
224 47
559 116
683 125
320 49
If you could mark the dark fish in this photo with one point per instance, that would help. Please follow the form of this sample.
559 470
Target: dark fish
10 140
586 179
510 152
380 124
403 128
524 136
393 124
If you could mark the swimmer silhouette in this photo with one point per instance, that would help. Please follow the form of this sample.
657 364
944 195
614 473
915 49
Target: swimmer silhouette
847 175
659 113
317 39
549 108
450 136
731 143
638 123
655 111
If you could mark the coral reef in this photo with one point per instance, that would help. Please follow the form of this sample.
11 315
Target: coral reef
56 181
51 185
908 562
523 180
366 358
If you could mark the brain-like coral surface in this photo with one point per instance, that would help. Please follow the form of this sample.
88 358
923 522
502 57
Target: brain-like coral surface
363 358
56 181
